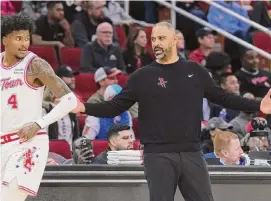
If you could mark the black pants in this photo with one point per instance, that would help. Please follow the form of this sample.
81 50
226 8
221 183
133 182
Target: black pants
187 170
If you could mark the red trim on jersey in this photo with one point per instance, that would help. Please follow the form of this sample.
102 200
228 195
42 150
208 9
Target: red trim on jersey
4 183
25 72
31 192
10 67
8 137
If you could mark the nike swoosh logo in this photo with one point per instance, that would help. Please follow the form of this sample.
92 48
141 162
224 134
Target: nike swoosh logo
190 75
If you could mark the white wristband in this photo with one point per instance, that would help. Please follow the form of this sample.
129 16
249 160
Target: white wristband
67 103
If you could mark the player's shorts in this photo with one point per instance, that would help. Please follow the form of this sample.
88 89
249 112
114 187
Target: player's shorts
24 161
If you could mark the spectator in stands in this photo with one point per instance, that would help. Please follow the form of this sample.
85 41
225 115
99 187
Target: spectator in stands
228 22
101 52
35 8
229 83
116 13
67 128
259 14
53 29
82 151
104 77
96 128
181 45
73 8
119 138
7 8
232 25
240 122
214 125
85 24
227 148
218 63
136 55
252 79
206 40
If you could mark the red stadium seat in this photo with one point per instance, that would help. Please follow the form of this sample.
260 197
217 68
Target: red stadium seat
99 146
135 127
85 85
121 36
262 41
70 57
47 53
122 79
60 147
136 145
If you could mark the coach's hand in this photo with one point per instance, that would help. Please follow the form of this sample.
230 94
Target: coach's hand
79 108
266 103
28 131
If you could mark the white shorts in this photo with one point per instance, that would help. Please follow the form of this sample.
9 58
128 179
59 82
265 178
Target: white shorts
24 161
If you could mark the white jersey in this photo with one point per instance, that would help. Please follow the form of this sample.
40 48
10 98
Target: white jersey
21 103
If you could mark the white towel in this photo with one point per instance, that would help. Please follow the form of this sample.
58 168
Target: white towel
124 158
124 153
117 162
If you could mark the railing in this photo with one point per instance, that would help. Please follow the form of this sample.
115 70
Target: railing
221 31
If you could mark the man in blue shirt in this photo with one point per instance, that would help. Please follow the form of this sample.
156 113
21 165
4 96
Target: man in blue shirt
228 149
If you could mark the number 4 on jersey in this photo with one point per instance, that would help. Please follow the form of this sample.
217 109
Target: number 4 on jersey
13 101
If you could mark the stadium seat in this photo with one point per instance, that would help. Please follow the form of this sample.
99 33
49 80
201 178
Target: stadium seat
135 127
70 57
121 36
262 41
122 79
99 146
85 85
60 147
47 53
136 145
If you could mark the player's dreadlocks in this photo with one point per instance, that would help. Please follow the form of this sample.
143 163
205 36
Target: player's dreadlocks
17 22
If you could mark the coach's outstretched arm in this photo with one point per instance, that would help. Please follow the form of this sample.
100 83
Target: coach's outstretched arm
109 109
41 73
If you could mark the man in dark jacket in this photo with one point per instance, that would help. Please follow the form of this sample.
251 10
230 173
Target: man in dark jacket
101 52
85 24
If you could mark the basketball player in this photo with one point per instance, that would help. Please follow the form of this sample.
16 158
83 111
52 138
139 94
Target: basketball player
24 143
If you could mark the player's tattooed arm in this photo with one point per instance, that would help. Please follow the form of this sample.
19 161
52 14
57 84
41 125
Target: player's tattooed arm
40 72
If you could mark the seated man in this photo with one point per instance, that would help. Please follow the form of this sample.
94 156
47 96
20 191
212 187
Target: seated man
104 77
228 149
206 40
252 79
213 126
229 83
96 128
101 52
119 138
53 29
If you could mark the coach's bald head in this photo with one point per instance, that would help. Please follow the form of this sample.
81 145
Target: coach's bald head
164 41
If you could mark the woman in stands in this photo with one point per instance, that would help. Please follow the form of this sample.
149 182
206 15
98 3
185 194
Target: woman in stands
136 55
